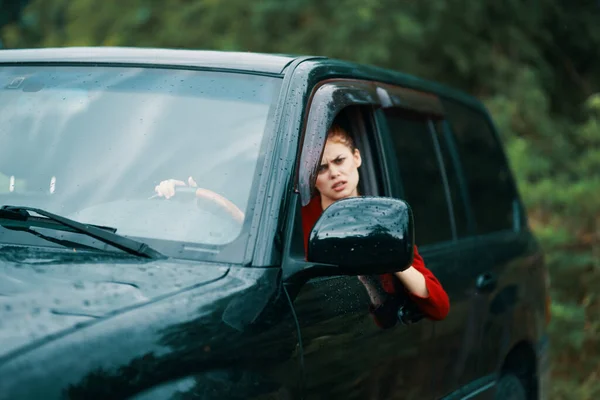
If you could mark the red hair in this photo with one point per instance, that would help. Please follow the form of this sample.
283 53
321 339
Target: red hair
338 134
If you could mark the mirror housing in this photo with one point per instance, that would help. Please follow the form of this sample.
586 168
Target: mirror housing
364 236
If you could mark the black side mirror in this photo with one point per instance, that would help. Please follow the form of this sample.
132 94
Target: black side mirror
364 235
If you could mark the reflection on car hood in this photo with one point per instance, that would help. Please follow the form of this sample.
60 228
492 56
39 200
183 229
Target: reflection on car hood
40 300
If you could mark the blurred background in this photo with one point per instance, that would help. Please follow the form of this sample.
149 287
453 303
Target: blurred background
535 64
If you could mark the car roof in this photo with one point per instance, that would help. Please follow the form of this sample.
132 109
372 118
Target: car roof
274 64
245 61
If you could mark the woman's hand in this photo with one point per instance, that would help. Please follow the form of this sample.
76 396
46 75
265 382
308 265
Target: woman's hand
166 188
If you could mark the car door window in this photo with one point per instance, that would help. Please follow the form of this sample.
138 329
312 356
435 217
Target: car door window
488 178
417 160
455 180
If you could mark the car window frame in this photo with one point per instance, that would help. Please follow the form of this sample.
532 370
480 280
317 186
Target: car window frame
328 99
342 93
319 112
398 190
518 213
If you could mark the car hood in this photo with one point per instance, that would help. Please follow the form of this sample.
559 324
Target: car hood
39 300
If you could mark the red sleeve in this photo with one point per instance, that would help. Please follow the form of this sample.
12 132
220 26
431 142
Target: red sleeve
437 305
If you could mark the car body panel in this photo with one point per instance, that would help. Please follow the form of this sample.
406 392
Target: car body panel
216 325
348 356
44 298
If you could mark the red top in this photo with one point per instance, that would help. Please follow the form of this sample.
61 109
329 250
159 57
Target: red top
435 307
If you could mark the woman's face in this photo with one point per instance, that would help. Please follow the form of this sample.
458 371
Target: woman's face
338 173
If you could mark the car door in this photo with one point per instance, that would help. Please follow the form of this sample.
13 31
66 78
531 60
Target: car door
493 245
428 183
345 354
461 343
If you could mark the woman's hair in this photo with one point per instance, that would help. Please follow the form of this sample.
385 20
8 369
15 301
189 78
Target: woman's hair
338 134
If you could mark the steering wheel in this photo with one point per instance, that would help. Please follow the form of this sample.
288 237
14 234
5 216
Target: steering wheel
196 193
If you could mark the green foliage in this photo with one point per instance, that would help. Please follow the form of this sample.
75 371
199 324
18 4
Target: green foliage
556 162
535 64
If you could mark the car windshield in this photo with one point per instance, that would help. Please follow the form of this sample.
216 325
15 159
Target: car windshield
91 143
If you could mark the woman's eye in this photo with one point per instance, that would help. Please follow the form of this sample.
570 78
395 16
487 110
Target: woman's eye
339 160
321 168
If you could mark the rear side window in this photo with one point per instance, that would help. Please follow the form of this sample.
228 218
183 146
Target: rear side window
453 177
422 179
488 178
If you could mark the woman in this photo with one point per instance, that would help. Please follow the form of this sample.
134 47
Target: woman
338 179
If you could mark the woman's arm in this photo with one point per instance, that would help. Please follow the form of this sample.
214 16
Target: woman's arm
414 281
166 189
424 289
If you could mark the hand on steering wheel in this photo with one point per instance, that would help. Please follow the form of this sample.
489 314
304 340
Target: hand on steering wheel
168 188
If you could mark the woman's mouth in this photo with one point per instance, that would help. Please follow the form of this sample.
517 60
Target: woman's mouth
338 187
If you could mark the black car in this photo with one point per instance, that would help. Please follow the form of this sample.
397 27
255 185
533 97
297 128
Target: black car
108 291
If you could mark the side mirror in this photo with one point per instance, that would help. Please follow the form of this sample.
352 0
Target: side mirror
364 235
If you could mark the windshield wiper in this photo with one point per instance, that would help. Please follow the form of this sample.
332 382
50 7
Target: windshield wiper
11 216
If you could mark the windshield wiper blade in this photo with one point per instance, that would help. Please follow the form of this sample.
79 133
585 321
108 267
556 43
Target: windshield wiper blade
102 233
62 242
